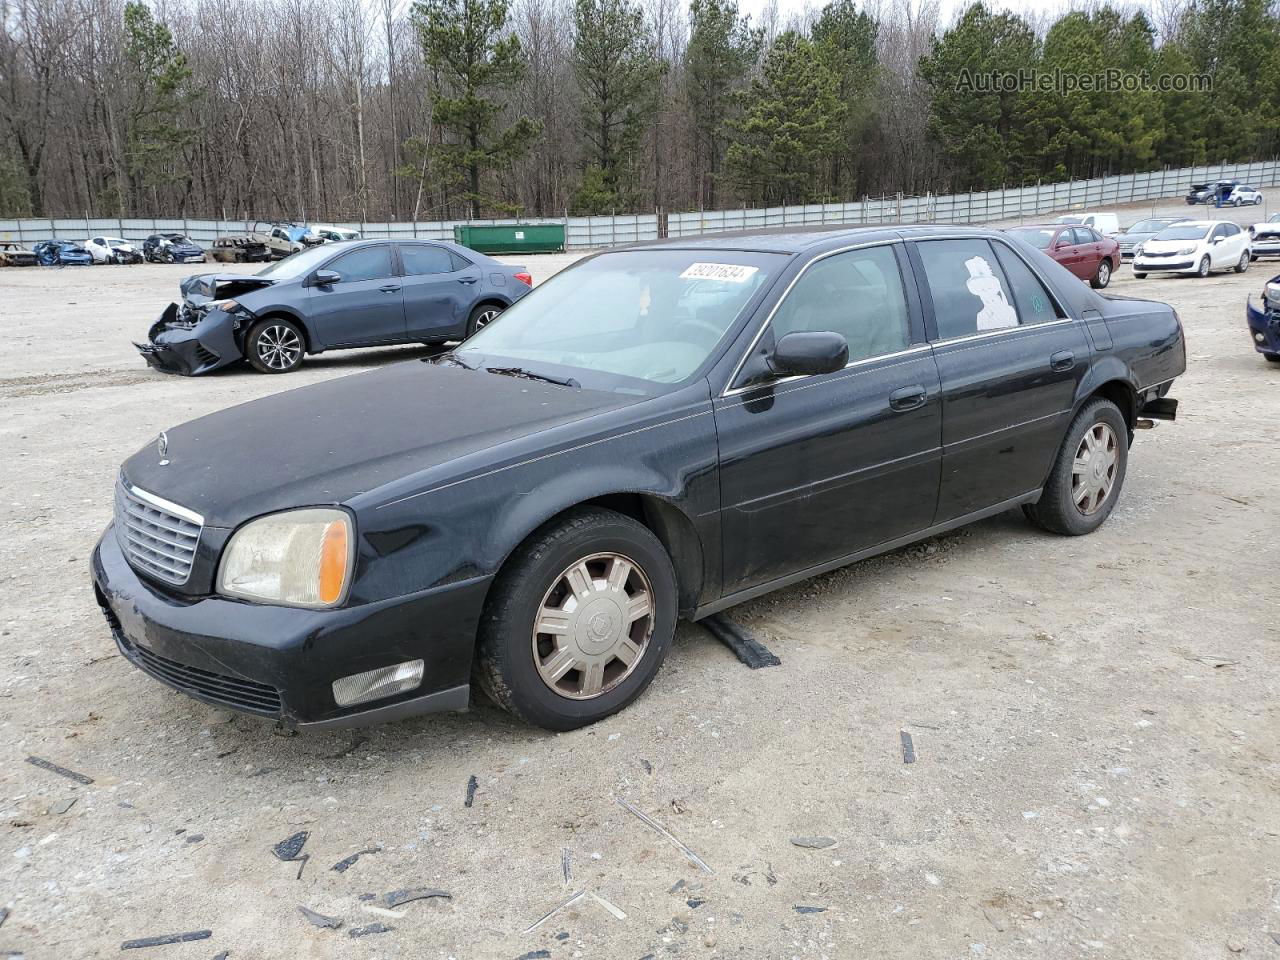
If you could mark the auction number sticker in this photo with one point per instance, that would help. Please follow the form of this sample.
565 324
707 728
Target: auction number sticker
727 272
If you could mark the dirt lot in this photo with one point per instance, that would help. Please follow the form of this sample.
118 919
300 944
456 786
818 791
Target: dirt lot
1095 722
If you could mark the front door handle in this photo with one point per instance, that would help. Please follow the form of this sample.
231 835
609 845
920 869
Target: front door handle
908 398
1062 360
390 288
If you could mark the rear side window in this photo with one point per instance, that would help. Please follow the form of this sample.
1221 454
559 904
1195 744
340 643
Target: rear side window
858 295
1082 235
969 289
1032 300
459 262
419 258
367 263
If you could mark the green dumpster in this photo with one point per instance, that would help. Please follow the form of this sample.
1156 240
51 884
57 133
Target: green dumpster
511 238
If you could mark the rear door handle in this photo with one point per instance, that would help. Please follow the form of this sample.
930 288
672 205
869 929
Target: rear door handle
467 279
908 398
1062 360
389 287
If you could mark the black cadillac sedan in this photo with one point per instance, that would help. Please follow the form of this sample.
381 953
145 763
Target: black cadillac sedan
660 431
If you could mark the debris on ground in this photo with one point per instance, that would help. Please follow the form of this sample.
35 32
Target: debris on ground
581 894
803 909
472 784
371 928
908 748
993 918
60 771
223 955
535 955
762 868
648 767
4 915
815 843
653 824
618 914
319 919
744 646
694 904
62 806
398 897
166 939
290 850
342 865
564 864
195 838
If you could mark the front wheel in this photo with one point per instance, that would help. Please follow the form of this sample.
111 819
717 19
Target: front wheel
1203 269
1272 357
1102 277
1087 474
578 621
482 316
275 346
1243 263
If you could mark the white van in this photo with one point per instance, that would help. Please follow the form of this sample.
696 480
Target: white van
1107 224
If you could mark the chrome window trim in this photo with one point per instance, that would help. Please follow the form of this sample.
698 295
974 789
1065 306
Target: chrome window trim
986 334
835 375
731 390
163 504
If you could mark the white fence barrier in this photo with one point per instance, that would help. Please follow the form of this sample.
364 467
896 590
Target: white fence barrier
993 206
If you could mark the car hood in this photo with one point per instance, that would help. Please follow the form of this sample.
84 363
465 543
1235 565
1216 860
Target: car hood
332 441
1269 228
202 287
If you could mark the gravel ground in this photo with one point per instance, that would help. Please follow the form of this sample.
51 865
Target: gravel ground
1094 722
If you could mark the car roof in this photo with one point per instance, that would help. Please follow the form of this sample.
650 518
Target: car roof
1045 226
792 240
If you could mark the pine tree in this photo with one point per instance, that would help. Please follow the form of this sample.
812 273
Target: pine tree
477 60
723 46
845 38
791 121
618 72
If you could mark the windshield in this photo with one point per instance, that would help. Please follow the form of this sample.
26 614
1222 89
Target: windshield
297 265
648 315
1275 218
1036 236
1150 226
1183 233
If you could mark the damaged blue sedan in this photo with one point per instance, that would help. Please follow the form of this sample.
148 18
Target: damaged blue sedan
1264 321
363 293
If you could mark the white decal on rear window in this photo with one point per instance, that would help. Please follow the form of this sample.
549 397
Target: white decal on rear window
728 272
996 313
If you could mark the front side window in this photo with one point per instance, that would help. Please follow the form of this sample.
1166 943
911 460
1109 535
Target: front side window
420 258
969 289
857 294
368 263
647 316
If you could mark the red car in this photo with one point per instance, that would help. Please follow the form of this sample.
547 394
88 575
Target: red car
1082 250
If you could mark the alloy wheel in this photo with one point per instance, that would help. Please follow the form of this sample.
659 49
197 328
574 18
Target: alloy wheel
1104 273
593 626
1243 265
1094 471
279 347
486 317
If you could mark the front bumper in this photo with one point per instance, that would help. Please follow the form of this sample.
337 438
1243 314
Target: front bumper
1167 265
210 343
280 662
1265 247
1264 324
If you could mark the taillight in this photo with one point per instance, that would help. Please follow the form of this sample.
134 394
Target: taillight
525 278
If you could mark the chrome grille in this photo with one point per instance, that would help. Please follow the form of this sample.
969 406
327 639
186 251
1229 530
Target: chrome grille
158 537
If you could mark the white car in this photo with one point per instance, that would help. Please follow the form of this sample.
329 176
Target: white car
331 234
1196 247
112 250
1265 238
1241 195
1107 224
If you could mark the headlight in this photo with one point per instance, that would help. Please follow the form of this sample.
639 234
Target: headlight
1186 251
227 305
300 558
1271 293
1137 250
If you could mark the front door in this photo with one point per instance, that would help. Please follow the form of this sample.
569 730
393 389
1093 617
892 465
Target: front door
817 468
365 306
1010 360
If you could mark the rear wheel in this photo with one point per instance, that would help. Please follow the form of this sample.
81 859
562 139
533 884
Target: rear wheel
578 621
1203 269
1087 474
1102 277
482 316
275 345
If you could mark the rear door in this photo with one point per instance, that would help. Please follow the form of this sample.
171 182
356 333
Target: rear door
1010 361
1089 243
439 288
365 306
817 468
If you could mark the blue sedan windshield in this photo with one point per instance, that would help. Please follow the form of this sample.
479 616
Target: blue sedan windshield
651 315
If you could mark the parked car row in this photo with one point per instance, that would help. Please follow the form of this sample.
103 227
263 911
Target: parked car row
1222 193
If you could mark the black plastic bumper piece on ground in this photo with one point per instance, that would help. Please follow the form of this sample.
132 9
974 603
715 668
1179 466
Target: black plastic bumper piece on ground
744 646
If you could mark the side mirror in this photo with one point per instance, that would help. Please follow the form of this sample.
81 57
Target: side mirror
325 278
803 354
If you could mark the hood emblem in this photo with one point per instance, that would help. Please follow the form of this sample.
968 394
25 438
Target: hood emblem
162 448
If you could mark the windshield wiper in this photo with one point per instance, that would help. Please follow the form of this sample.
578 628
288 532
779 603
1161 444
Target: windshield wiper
530 375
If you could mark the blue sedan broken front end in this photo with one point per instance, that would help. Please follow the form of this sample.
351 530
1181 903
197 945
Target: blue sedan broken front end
1264 321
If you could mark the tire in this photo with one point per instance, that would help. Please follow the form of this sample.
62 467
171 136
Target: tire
482 315
512 656
1243 264
275 345
1059 509
1103 276
1203 269
1139 276
1271 357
